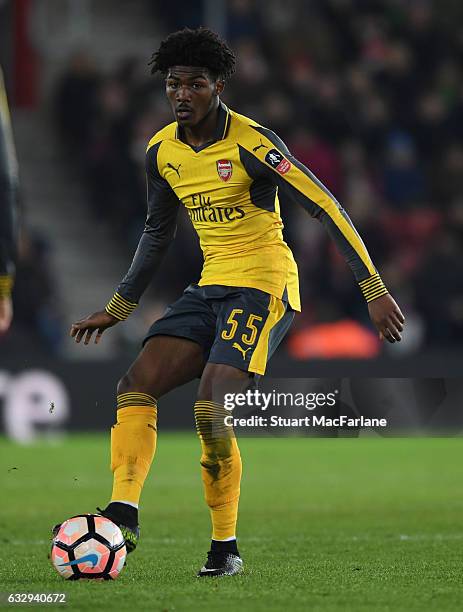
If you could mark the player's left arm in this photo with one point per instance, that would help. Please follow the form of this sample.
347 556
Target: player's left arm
297 182
159 231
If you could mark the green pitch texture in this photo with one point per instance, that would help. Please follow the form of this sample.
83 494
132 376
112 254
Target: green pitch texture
325 524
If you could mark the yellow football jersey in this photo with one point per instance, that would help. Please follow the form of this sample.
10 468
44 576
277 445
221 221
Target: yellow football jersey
230 189
238 223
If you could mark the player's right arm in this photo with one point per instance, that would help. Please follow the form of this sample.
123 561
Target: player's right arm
159 231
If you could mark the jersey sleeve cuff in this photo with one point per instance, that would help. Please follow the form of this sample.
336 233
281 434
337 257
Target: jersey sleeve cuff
6 285
119 307
373 287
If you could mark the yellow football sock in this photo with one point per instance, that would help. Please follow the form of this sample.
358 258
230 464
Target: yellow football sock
220 467
133 444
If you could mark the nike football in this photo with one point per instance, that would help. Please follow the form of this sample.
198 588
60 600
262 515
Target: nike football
88 546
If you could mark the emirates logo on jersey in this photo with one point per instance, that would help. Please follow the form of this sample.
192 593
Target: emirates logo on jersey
224 169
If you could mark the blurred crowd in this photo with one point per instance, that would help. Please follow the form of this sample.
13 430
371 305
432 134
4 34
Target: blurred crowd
367 94
38 321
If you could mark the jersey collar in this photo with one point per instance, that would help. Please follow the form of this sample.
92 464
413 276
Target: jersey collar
221 131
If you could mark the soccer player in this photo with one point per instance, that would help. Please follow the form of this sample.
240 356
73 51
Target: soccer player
227 170
8 193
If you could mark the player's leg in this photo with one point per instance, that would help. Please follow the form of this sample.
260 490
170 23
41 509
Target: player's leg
220 465
165 363
220 456
250 325
174 353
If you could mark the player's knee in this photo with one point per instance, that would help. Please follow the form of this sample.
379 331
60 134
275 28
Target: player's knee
218 379
124 385
131 383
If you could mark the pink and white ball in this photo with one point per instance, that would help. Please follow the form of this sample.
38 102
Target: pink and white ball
88 546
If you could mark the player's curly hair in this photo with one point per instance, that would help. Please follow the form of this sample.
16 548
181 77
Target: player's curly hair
200 47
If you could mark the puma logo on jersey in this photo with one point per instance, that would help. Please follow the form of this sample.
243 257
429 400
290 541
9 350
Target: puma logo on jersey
241 350
261 145
175 169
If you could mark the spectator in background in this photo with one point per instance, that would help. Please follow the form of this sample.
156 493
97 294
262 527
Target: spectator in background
108 155
403 178
442 307
36 305
76 102
244 20
448 176
318 155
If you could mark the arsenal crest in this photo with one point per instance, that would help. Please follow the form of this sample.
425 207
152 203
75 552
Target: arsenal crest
224 169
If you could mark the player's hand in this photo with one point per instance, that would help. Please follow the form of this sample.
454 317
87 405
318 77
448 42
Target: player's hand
387 318
6 313
98 321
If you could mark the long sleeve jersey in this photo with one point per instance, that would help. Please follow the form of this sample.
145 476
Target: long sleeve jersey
230 188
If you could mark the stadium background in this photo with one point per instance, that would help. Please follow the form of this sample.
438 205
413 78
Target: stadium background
367 94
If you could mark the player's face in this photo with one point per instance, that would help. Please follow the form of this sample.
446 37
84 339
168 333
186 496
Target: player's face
192 93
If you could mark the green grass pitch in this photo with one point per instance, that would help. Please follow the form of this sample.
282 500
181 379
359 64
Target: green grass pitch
325 524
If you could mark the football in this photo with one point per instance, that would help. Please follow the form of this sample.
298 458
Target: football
88 546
